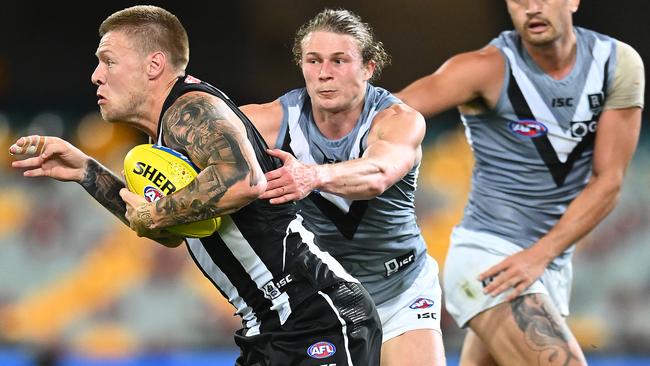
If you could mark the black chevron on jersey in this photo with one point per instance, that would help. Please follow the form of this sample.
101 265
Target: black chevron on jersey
558 169
346 223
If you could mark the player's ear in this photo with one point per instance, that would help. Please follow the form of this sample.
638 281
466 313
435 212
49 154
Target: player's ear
574 4
156 64
369 69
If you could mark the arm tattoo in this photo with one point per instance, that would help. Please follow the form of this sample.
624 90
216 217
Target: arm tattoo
194 124
542 330
105 187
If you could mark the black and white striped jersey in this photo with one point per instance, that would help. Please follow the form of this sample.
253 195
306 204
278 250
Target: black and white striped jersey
261 259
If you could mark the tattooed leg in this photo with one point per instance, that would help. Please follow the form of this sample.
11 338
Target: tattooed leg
527 331
542 330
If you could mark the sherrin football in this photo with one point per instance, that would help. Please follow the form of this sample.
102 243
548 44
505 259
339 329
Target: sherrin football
155 171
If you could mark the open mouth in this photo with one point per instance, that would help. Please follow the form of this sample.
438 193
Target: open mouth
537 26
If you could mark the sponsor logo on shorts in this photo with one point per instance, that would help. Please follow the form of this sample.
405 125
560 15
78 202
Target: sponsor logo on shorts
528 128
321 349
397 264
152 194
421 303
428 316
486 281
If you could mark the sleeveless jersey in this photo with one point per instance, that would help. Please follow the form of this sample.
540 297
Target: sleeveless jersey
261 259
533 152
378 240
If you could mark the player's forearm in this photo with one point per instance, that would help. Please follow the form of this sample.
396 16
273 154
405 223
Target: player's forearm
355 179
105 187
591 206
206 197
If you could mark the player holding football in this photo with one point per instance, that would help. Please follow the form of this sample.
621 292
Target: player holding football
297 304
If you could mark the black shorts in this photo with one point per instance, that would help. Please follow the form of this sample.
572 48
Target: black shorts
339 326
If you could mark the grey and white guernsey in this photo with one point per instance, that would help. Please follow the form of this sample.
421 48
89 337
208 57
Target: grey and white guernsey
533 152
261 259
378 240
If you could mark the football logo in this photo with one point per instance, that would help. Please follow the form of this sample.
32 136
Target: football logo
421 303
528 128
321 349
152 194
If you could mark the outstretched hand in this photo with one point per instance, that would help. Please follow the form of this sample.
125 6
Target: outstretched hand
517 272
291 182
48 156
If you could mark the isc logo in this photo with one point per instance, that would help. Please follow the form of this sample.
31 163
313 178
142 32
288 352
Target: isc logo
321 350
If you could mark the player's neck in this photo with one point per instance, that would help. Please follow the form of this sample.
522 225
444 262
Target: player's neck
337 124
555 59
155 105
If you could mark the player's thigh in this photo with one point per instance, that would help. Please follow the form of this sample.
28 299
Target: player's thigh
474 352
416 347
527 331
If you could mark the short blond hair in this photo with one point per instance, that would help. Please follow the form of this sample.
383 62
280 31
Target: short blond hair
153 29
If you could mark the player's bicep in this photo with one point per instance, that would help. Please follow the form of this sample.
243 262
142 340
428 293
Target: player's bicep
461 79
616 141
211 135
395 139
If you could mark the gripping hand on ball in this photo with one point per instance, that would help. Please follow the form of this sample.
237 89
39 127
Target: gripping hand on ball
140 218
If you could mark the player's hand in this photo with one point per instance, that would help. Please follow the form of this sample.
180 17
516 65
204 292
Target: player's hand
291 182
516 272
48 156
138 214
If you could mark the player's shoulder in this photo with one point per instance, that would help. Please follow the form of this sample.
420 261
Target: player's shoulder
257 113
399 114
625 53
487 61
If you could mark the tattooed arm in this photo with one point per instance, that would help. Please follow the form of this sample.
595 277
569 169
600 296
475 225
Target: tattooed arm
62 161
214 138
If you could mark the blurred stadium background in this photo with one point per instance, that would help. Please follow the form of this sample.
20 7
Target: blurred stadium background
78 288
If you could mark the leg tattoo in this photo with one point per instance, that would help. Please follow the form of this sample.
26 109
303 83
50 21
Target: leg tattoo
542 332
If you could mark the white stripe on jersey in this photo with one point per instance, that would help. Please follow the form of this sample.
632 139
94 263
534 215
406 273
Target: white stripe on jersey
344 327
252 264
601 52
308 237
561 140
224 284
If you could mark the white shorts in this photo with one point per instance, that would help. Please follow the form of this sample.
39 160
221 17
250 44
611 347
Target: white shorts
416 308
470 254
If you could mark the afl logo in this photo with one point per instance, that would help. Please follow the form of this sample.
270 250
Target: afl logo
152 194
321 350
528 128
421 303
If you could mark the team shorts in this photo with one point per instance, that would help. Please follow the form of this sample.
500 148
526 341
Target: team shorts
416 308
470 254
337 326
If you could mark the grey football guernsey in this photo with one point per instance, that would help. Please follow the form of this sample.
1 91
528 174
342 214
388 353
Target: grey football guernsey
533 152
378 240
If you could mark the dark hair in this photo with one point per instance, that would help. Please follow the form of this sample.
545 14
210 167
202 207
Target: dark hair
152 29
343 21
